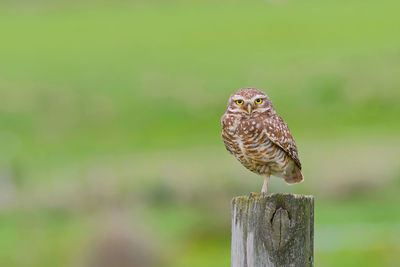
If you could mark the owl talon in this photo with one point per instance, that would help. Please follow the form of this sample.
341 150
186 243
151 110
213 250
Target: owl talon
263 194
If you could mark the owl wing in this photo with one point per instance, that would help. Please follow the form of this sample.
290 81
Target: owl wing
278 132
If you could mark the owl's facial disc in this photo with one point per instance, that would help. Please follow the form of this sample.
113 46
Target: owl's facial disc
249 102
248 105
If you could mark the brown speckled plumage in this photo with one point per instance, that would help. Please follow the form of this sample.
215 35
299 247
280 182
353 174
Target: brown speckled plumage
259 138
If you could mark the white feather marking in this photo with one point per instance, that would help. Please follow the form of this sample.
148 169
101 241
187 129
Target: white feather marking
258 96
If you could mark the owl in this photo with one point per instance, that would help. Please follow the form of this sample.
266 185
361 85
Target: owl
259 138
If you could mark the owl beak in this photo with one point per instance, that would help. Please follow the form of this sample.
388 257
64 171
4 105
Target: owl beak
249 109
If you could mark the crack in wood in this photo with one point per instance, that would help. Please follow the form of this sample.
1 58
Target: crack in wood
280 222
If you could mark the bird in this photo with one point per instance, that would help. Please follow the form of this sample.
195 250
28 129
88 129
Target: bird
259 138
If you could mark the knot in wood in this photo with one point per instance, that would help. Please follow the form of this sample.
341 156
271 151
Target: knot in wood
280 228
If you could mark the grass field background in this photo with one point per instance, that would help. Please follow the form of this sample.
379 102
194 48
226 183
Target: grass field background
110 148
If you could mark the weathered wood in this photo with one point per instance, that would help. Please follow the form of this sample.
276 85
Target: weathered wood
275 230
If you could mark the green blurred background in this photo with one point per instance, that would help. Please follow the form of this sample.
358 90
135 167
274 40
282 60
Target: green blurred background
110 148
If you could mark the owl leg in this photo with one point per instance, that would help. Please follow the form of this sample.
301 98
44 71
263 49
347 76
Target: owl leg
265 185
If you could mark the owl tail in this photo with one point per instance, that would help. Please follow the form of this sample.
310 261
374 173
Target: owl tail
295 176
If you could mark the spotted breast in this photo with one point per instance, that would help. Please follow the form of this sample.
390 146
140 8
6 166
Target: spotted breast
247 140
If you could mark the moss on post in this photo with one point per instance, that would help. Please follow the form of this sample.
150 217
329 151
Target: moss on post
277 230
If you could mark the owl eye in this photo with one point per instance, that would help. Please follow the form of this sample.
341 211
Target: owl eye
258 101
239 102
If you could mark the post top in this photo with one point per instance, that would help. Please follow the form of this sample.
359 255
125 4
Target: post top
258 196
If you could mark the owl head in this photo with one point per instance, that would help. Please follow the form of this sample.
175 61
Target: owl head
249 102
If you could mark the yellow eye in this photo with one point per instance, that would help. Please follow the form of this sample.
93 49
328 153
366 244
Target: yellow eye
258 101
239 102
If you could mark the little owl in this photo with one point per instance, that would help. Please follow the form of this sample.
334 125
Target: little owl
259 138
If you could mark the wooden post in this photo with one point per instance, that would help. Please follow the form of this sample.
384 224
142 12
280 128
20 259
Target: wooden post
277 230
